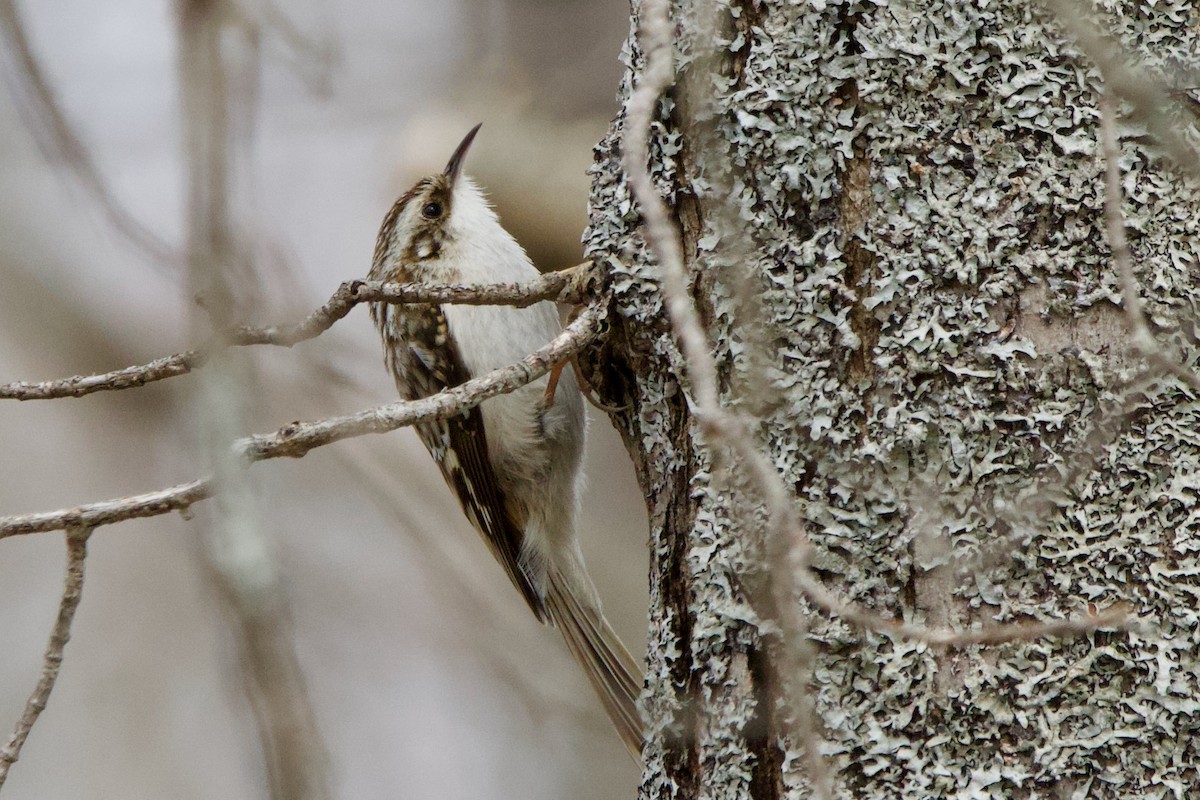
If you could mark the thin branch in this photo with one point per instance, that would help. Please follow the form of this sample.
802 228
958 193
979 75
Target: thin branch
126 378
1115 617
298 438
722 425
1040 500
661 234
77 539
106 512
312 56
1114 220
551 286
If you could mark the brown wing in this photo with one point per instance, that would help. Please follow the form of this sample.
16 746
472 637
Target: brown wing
424 359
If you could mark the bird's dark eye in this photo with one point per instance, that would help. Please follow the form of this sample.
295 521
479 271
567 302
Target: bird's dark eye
431 210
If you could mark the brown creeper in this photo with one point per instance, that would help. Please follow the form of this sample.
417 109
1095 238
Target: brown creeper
513 461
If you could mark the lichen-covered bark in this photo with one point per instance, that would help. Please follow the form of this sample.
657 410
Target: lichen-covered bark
939 360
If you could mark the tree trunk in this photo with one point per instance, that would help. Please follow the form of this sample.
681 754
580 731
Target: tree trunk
892 213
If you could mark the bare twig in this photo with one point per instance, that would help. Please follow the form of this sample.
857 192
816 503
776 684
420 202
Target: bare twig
57 138
724 426
126 378
551 286
1040 500
657 76
298 438
312 56
1114 220
106 512
77 539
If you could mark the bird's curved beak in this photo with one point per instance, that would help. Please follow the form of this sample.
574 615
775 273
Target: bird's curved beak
454 167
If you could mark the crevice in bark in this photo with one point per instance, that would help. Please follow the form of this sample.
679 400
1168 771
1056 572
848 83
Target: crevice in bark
749 15
606 367
616 368
855 206
689 216
681 755
762 730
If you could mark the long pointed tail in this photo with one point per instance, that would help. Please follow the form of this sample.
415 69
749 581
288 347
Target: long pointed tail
612 671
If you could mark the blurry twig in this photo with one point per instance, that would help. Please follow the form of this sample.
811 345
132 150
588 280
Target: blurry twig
312 56
56 137
788 542
106 512
275 685
1127 79
551 286
453 581
219 76
298 438
1114 219
1122 81
718 424
77 539
1115 616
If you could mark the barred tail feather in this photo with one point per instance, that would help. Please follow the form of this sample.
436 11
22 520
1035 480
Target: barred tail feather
594 644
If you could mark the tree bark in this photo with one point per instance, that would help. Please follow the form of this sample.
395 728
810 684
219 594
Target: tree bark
893 216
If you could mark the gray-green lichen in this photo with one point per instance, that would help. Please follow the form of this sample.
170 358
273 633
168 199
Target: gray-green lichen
916 188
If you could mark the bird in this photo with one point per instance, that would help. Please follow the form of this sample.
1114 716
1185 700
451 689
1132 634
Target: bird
515 461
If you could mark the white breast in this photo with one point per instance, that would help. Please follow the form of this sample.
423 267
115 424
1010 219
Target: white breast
529 445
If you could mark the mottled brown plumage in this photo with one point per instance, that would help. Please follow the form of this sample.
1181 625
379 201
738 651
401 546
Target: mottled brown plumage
423 359
514 461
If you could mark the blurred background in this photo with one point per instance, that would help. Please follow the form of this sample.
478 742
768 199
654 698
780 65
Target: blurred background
427 676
